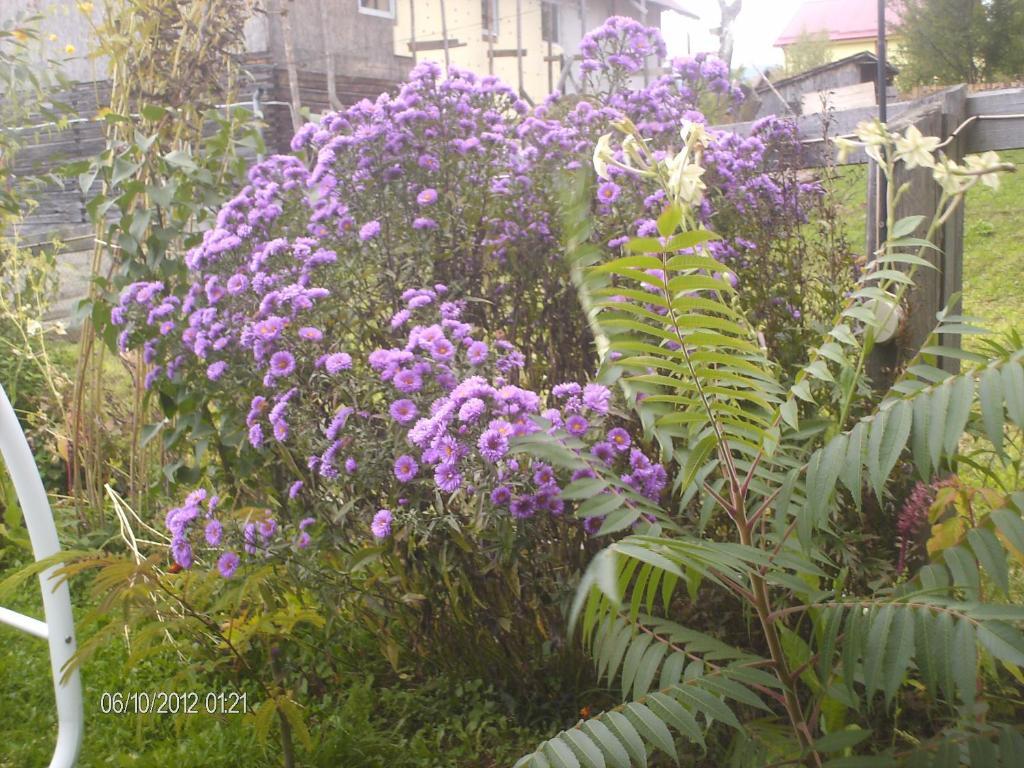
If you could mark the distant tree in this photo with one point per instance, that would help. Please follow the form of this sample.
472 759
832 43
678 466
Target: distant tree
960 41
1003 43
809 50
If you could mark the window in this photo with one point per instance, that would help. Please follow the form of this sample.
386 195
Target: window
385 8
489 18
549 22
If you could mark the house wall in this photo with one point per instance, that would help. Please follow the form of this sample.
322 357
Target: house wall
360 44
840 49
464 22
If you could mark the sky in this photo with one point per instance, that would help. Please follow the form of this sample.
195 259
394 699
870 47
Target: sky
757 26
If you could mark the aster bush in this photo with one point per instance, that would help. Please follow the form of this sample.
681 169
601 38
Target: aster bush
399 461
821 662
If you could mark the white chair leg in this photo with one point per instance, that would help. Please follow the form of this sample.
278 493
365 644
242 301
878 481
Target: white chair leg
58 628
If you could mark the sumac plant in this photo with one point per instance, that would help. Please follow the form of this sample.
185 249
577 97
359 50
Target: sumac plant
813 666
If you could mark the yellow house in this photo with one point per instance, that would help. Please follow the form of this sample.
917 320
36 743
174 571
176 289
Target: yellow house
850 27
524 42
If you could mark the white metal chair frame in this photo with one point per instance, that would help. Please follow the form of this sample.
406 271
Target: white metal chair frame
59 627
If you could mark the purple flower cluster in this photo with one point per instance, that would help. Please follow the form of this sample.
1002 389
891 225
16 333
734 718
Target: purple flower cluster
181 521
619 48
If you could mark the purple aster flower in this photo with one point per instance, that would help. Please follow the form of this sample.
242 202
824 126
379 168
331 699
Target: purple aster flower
214 532
476 353
493 445
565 390
268 527
295 489
182 553
447 478
215 370
638 459
427 197
281 430
351 465
596 397
337 362
442 350
576 425
237 283
543 474
227 564
282 364
269 329
403 411
369 230
608 192
311 334
619 438
405 468
381 525
450 450
522 507
472 409
399 318
500 496
407 380
424 222
603 451
255 435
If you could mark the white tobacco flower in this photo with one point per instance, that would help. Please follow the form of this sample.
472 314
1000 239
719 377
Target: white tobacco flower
950 177
988 161
915 149
632 152
845 147
874 136
684 182
693 134
603 155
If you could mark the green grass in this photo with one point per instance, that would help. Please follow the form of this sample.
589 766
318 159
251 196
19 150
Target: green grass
994 251
377 719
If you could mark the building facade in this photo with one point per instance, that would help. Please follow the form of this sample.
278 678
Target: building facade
527 43
850 27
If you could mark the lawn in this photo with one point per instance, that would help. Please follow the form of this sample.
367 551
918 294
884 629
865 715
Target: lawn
994 252
379 719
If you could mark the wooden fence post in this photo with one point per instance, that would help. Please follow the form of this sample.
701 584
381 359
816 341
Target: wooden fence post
933 287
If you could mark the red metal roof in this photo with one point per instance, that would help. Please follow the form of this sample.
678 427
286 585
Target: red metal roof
841 19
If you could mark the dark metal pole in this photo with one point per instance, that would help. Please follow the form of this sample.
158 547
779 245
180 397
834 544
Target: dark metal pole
882 116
